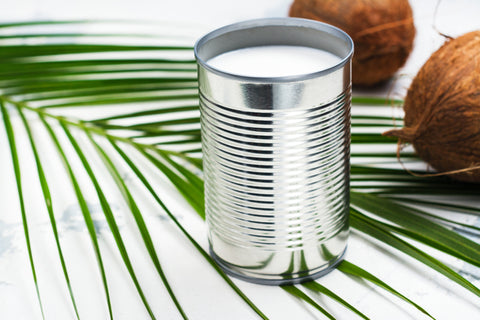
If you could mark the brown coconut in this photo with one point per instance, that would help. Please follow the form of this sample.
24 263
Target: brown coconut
382 31
442 109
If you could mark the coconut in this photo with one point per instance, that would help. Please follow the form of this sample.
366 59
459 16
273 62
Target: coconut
442 109
382 31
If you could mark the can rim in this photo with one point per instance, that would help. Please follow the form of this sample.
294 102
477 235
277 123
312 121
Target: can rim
267 22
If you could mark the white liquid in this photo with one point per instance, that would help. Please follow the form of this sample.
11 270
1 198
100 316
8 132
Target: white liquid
274 61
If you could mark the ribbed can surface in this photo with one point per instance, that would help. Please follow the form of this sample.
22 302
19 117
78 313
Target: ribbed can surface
276 162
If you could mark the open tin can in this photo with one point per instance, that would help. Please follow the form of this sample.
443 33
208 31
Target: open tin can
276 155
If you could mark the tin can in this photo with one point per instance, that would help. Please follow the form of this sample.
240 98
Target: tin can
276 155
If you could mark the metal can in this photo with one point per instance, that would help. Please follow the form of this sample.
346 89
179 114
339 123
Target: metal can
276 155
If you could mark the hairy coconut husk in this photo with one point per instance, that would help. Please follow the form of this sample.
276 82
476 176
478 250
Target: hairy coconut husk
442 109
382 31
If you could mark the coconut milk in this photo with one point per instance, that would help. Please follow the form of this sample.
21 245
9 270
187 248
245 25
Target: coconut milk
274 61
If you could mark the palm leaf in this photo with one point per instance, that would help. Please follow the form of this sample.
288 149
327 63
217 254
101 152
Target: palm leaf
18 180
48 204
147 239
317 287
109 217
354 270
418 227
85 212
197 246
381 232
303 296
145 109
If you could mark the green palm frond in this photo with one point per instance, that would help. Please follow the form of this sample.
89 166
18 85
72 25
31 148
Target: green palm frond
115 109
18 180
